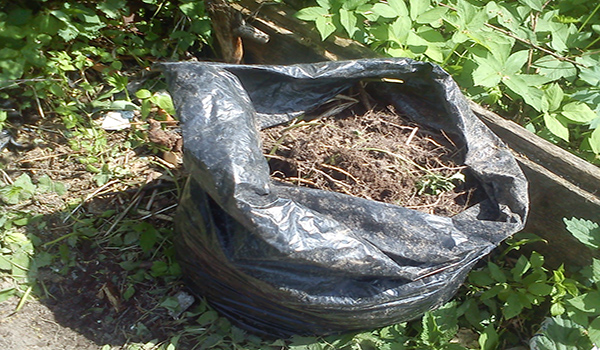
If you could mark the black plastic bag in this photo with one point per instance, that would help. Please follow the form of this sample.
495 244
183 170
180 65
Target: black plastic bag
285 260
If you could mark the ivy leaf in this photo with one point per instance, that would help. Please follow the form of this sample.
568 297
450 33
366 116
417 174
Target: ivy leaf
45 184
586 231
578 112
488 71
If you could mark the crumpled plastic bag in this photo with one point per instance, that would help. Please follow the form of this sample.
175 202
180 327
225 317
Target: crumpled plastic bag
282 260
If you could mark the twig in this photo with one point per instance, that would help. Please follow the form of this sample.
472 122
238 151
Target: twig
6 177
299 179
340 170
39 105
159 212
151 200
338 182
98 190
527 42
134 201
45 157
411 136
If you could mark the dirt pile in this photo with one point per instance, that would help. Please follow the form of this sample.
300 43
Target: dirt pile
377 154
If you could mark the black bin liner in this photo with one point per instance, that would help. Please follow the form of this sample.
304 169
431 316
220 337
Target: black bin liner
283 260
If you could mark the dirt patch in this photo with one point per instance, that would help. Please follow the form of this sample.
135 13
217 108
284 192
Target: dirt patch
98 287
35 327
377 154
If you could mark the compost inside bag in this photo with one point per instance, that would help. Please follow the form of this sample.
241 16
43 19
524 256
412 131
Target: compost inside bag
283 260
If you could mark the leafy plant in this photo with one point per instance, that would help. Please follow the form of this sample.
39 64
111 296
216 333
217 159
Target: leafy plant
575 323
532 60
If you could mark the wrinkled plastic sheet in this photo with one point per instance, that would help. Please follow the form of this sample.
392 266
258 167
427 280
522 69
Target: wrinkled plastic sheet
281 259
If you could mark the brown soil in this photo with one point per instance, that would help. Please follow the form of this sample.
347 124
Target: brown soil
377 155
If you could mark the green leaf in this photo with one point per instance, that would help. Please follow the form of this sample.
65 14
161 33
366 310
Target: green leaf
536 259
496 272
143 94
488 72
129 292
384 10
594 140
557 309
122 105
588 302
311 13
556 126
45 184
540 289
515 61
433 17
400 29
6 294
163 100
587 232
578 112
521 267
480 278
325 27
148 239
594 331
512 307
560 333
207 318
537 5
399 7
553 96
488 340
418 7
112 8
555 69
595 270
348 21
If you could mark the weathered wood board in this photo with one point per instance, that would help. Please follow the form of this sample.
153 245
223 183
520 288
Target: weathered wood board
561 184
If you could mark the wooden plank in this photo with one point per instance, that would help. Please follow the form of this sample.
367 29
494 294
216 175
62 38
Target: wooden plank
564 164
561 184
